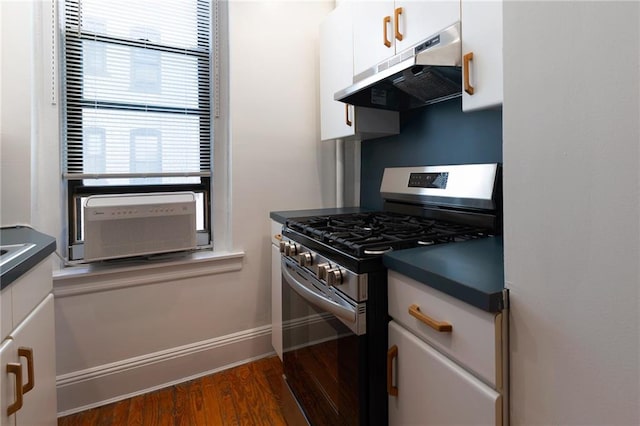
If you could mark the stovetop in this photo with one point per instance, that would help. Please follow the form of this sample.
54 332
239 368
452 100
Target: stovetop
365 237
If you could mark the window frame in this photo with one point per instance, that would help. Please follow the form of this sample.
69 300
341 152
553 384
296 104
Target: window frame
208 81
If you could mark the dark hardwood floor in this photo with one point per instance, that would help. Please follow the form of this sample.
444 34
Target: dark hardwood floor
250 394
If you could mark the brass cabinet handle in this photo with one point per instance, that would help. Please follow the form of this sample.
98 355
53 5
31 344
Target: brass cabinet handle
466 63
385 24
28 354
391 354
441 326
396 20
16 369
278 237
346 115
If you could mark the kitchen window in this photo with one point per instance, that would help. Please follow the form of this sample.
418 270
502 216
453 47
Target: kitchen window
138 96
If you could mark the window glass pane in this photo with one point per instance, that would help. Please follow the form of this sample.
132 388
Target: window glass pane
140 142
137 65
166 21
134 75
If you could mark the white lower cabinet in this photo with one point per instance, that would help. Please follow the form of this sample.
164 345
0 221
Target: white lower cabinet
8 395
29 351
276 289
447 362
432 389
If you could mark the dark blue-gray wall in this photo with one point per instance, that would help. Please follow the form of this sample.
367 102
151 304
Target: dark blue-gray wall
436 134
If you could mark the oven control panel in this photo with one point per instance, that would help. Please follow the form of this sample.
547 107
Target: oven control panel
327 272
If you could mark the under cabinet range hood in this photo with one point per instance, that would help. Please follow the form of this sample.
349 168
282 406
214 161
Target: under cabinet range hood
426 73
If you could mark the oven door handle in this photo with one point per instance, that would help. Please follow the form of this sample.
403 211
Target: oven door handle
318 299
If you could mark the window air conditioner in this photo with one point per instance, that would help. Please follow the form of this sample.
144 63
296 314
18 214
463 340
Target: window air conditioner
127 225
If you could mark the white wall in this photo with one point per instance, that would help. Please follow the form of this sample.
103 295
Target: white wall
16 71
121 333
572 237
278 161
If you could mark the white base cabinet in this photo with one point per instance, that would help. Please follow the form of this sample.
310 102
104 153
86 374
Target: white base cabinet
276 289
447 360
31 346
432 389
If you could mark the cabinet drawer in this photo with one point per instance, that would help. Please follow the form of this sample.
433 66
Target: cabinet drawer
475 339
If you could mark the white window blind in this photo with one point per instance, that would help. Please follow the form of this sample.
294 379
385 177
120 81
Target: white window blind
137 89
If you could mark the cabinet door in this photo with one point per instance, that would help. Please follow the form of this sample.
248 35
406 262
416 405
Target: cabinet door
368 33
37 334
418 20
433 390
8 354
482 37
276 300
336 73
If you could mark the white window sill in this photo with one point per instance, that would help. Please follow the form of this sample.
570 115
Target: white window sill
96 277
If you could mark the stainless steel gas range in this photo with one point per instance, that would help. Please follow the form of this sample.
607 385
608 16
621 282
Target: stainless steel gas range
335 284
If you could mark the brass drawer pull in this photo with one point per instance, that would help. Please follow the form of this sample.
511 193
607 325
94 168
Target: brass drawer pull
15 369
385 24
467 59
28 354
441 326
396 16
347 121
391 354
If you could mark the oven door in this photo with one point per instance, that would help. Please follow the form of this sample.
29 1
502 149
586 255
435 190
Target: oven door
324 349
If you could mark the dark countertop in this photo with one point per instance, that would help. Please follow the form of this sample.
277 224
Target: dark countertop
15 268
472 271
282 216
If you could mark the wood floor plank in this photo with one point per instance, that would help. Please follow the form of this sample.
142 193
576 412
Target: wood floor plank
180 409
212 402
120 412
244 395
228 413
251 394
268 410
197 413
89 418
151 409
136 408
166 400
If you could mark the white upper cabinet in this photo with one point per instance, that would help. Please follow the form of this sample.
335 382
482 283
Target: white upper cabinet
482 54
418 20
383 28
336 72
337 119
371 19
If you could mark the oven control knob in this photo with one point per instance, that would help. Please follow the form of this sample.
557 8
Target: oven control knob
291 249
283 244
334 277
322 270
305 259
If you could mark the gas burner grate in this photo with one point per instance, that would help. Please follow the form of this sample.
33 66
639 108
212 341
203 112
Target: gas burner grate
372 234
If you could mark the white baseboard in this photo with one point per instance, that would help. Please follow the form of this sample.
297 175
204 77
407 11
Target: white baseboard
104 384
